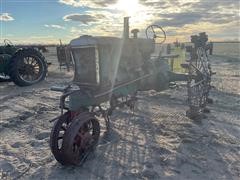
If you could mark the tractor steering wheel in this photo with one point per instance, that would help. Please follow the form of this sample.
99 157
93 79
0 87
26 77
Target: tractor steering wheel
7 42
156 32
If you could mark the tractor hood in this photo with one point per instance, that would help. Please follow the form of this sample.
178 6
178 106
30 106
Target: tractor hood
141 43
93 41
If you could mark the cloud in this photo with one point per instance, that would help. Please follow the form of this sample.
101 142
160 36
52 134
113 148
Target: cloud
185 18
182 18
179 17
173 13
6 17
54 26
84 18
96 30
88 3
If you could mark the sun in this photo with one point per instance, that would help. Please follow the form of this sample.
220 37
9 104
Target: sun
129 7
134 9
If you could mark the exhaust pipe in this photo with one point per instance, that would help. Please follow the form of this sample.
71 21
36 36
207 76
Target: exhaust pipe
126 28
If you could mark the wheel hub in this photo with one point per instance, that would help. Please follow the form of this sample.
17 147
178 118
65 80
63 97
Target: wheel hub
29 69
83 139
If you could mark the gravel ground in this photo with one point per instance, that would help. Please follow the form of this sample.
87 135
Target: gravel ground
157 141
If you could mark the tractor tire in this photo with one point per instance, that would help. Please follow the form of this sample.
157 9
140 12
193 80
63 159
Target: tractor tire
27 67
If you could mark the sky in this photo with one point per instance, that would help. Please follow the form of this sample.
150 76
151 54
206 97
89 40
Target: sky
47 21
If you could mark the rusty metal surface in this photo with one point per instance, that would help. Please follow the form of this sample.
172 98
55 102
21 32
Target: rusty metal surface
199 81
56 137
80 138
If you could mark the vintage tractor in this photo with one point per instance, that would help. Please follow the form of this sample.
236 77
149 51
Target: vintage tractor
109 71
23 66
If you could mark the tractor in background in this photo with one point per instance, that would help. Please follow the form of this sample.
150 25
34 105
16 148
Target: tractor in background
23 66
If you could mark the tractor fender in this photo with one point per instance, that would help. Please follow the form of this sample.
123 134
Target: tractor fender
20 50
38 53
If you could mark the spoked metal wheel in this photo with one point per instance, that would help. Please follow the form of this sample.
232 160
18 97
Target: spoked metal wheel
81 138
27 67
56 137
199 81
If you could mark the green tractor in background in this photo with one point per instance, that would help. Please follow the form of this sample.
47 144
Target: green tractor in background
23 66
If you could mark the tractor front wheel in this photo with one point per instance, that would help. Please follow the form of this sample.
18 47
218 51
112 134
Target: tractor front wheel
27 67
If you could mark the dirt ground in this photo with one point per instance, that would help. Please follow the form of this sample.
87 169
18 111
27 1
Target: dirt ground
157 141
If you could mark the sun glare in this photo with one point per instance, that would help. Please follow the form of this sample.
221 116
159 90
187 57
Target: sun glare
130 7
133 9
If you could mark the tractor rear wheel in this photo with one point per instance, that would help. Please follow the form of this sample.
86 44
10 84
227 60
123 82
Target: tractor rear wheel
27 67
